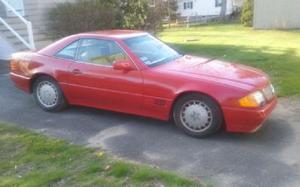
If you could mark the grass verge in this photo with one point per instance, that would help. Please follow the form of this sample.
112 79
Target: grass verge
275 52
30 159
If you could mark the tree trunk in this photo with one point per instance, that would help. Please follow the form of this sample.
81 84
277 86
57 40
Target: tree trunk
169 13
223 10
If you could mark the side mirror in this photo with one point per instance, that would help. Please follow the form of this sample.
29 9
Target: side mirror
124 65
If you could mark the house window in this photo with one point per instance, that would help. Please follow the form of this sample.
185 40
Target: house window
188 5
218 3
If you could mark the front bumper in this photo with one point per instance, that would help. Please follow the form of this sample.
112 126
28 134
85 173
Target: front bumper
247 120
21 82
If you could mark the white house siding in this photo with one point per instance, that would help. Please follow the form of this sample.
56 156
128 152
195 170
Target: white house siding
5 49
238 3
204 8
276 14
34 11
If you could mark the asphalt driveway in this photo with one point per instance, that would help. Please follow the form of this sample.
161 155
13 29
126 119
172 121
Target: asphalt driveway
270 157
3 67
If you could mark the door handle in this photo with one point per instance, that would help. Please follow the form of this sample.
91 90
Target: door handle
76 72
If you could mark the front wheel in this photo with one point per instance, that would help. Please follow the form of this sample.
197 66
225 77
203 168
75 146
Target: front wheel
198 115
48 94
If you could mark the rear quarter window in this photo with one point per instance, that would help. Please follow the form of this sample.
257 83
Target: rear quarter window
69 51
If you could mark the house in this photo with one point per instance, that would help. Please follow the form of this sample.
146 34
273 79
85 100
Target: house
22 25
205 8
279 14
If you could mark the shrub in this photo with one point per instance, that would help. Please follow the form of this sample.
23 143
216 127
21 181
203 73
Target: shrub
247 13
81 16
90 15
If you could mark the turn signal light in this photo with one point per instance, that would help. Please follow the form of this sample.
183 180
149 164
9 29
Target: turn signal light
255 99
13 65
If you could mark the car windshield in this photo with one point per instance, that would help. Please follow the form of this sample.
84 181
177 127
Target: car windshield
150 50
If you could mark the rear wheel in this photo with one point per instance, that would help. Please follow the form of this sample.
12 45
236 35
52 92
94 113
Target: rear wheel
48 94
198 115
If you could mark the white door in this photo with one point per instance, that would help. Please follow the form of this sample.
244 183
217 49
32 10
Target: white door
18 5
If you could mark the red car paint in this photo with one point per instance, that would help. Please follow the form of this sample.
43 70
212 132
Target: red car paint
147 91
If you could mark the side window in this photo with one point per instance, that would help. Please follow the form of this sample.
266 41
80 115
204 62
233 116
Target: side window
102 52
68 52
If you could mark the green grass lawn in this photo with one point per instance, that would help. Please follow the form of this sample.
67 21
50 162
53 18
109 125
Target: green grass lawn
30 159
275 52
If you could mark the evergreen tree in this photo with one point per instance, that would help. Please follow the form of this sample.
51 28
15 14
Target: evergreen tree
247 13
133 13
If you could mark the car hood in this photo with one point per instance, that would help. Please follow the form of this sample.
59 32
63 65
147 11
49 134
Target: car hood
191 65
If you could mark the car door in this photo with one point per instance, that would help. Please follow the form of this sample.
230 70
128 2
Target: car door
95 83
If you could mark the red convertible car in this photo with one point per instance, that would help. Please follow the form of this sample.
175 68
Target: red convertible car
135 73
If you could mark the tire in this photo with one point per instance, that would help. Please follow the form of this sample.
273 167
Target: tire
48 95
197 115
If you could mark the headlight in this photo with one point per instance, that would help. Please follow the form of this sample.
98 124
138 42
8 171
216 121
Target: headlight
269 92
255 99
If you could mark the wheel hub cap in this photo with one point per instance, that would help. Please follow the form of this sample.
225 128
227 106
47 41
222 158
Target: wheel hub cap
47 94
196 116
